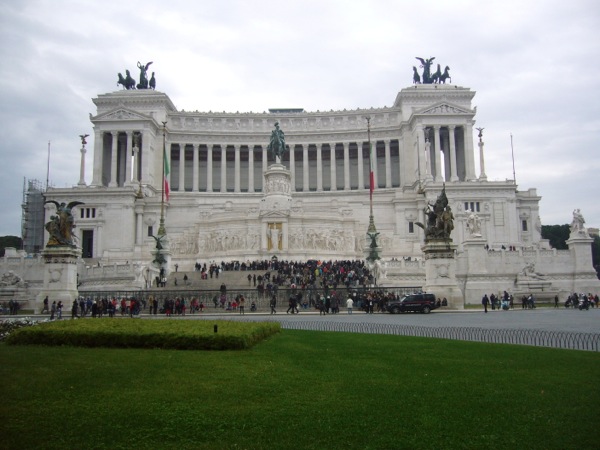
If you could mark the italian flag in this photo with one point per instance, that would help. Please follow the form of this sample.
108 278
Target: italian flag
371 173
166 176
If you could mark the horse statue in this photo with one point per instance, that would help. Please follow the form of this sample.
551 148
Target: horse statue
277 144
437 74
445 76
128 82
416 76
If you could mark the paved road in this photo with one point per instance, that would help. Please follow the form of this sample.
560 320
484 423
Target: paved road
548 319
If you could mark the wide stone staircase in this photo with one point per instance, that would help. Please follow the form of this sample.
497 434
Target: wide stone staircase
233 279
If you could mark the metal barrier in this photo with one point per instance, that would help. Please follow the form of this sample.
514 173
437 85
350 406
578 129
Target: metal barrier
537 338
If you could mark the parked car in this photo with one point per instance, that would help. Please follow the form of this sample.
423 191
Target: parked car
423 303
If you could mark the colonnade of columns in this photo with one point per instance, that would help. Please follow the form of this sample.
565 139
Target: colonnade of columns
119 161
125 149
246 181
452 141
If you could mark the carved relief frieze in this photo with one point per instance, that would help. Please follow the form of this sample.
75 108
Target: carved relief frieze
328 239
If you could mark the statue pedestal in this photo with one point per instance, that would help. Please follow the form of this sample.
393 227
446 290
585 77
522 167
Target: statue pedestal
440 272
60 276
275 209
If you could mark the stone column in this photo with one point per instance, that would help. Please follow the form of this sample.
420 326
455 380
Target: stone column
223 168
236 169
319 167
82 167
332 168
263 237
264 158
139 223
452 139
136 162
361 174
128 148
482 175
98 152
209 168
113 159
437 149
196 168
293 166
147 162
346 166
284 236
181 187
388 164
427 154
136 158
401 159
469 152
305 185
251 168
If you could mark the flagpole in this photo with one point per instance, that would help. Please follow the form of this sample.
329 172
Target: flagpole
372 228
161 228
48 168
371 231
512 150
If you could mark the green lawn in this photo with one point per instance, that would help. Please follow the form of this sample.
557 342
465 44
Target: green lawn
301 390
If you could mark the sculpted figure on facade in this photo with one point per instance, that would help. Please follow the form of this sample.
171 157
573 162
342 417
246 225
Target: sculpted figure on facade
277 143
274 236
11 279
60 227
577 224
440 219
530 273
474 224
143 84
429 78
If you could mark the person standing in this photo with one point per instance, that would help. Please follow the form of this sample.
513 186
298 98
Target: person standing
241 304
556 301
59 308
45 308
273 304
484 302
53 310
74 309
349 305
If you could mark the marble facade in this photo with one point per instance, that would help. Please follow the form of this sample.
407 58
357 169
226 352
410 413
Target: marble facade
230 201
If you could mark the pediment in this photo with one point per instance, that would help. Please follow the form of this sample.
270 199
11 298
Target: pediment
277 214
444 108
120 114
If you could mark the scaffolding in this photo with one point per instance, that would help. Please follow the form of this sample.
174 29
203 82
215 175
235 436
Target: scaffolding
32 218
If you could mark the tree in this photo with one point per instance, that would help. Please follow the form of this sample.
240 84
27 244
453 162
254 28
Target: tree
10 241
596 255
557 235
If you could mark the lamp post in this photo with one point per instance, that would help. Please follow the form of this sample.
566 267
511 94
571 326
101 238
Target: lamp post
161 227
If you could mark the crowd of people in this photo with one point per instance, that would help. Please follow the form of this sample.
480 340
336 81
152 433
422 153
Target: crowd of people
528 301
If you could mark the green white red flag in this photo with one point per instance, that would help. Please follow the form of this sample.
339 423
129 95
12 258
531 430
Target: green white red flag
166 186
371 173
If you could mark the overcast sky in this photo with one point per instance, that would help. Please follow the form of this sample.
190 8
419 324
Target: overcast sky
535 66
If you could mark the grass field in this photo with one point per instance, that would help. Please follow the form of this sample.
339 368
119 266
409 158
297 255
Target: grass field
301 390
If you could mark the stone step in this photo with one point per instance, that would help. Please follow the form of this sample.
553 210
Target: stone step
233 279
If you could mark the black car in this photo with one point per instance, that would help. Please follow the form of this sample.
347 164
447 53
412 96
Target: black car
423 303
